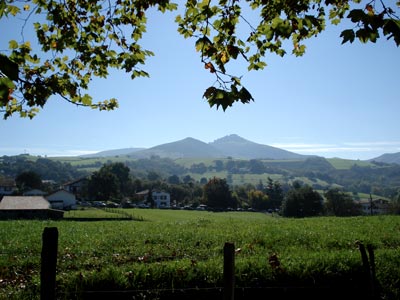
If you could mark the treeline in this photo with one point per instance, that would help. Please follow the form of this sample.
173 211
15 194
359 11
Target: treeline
114 182
379 179
49 170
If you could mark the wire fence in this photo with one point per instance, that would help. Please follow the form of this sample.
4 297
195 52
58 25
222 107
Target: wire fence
229 290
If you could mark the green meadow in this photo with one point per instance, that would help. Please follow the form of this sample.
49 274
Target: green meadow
178 249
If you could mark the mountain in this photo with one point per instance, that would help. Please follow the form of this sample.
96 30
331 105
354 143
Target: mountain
229 146
238 147
186 148
115 152
389 158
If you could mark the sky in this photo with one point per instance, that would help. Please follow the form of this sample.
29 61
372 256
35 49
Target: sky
335 101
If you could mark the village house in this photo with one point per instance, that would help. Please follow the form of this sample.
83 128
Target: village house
142 196
161 199
27 207
374 207
76 187
62 199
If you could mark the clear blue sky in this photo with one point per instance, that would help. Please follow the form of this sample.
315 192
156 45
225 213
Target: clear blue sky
335 101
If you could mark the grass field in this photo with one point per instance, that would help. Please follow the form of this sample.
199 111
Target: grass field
345 164
171 249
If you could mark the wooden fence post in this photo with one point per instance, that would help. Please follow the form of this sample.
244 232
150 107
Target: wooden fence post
369 268
48 264
229 271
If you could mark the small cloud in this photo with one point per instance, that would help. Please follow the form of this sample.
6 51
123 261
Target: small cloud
44 151
301 145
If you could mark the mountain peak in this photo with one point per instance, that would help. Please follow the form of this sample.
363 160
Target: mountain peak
232 138
238 147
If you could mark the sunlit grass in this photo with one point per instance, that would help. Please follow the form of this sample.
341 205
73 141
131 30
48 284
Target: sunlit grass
174 249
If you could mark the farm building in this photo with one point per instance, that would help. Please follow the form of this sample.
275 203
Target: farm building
62 199
27 207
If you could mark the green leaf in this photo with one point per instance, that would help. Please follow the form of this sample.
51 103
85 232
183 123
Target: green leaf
392 29
202 42
86 100
365 35
6 83
14 10
356 15
3 7
348 36
245 96
8 67
13 44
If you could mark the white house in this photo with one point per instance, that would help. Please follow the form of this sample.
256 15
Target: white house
161 199
62 199
379 206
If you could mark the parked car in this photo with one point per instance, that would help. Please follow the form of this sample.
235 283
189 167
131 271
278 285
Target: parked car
99 204
112 204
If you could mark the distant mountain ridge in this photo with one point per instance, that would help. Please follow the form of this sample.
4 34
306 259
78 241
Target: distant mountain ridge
238 147
107 153
186 148
388 158
229 146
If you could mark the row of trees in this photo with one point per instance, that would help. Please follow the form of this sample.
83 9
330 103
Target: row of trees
378 179
115 182
298 201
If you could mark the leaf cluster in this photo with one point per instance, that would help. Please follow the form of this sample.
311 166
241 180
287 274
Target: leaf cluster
81 40
370 22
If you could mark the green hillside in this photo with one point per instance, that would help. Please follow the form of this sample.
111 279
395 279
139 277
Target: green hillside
345 164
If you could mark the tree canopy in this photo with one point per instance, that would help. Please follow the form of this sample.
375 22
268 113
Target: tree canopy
77 41
217 194
112 181
339 203
302 201
28 180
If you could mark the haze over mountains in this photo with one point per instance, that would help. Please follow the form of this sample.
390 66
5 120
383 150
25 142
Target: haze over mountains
388 158
229 146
